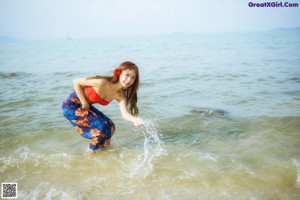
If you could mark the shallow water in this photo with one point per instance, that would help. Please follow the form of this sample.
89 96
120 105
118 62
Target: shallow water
222 113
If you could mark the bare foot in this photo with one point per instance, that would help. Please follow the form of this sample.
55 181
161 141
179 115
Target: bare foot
89 152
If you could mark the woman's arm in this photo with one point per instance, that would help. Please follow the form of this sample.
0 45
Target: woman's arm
127 116
78 86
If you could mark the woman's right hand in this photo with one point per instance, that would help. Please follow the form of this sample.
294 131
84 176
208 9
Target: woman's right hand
138 122
79 85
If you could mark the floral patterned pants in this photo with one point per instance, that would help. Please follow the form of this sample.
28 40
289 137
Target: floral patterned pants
91 124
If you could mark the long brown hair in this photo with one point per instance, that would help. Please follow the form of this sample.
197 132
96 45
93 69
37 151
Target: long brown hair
131 92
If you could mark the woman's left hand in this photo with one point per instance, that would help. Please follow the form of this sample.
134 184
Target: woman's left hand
138 122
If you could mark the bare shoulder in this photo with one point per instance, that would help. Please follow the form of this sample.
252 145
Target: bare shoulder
86 82
104 81
120 96
99 82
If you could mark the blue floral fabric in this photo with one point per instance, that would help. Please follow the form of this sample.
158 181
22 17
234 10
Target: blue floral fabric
91 124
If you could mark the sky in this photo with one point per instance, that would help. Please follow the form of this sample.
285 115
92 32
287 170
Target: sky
37 19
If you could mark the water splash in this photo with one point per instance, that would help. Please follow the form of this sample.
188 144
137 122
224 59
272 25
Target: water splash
153 148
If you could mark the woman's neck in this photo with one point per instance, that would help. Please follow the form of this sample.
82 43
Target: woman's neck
116 86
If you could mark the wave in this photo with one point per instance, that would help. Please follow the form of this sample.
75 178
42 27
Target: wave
15 74
210 124
297 165
209 111
24 156
46 190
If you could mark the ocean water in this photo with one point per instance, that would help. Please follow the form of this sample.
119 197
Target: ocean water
222 113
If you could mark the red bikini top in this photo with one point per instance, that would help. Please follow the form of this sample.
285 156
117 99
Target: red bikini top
94 97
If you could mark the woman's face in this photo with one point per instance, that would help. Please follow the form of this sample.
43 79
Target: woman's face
127 78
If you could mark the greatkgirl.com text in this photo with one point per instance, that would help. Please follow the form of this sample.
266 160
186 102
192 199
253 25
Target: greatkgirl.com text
273 4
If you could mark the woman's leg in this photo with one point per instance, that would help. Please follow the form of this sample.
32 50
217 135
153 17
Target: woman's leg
91 124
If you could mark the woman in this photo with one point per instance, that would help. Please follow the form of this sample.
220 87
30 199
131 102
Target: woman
89 121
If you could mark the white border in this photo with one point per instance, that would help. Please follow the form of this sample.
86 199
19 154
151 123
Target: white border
9 197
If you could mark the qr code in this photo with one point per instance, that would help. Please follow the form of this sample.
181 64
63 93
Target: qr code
9 191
